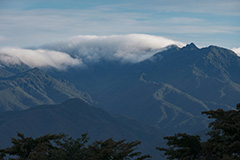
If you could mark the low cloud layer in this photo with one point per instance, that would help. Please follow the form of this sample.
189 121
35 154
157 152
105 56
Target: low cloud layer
37 58
236 50
82 50
126 48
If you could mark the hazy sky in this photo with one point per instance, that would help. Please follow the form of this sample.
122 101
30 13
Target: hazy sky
26 23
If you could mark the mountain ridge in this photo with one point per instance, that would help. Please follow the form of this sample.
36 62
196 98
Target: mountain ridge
169 90
33 87
200 79
75 117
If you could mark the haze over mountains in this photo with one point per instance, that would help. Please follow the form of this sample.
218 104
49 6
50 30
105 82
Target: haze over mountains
165 89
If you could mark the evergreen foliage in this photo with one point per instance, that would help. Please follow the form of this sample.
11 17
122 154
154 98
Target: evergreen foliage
223 142
182 146
63 147
111 150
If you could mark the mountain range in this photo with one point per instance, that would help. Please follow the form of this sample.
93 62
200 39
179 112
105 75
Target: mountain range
169 90
162 95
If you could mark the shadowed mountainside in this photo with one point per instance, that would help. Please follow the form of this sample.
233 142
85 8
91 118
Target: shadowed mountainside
168 90
75 117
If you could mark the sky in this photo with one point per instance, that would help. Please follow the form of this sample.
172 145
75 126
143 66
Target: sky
34 23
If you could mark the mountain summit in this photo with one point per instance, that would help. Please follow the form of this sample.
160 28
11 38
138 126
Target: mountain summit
170 90
190 46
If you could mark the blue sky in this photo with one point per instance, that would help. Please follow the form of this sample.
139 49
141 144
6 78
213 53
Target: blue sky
35 22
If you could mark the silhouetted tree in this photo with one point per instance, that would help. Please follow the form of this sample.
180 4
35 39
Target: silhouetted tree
70 149
224 138
28 148
183 146
62 147
114 150
223 142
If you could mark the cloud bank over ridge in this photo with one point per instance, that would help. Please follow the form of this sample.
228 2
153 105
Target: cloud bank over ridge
37 58
81 50
126 48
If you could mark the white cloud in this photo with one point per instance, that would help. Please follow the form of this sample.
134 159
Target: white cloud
23 26
237 51
37 58
126 48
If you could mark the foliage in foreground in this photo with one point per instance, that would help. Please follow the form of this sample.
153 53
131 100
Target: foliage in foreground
223 142
63 147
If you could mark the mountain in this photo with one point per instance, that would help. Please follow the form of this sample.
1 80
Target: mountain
75 117
22 87
169 90
210 74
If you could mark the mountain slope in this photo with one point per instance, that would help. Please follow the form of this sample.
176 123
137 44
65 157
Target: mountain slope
24 89
210 74
169 90
75 117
